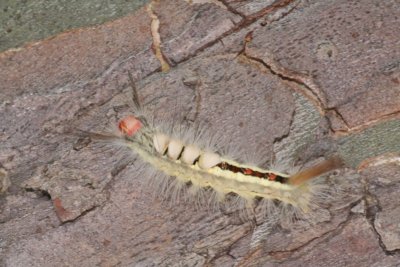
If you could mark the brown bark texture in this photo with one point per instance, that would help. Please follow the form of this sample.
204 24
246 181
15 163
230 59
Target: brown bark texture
290 81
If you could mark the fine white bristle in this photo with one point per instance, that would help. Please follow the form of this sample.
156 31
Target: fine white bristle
208 160
160 142
219 180
175 147
190 154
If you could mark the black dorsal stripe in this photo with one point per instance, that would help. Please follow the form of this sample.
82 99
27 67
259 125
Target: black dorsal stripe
250 172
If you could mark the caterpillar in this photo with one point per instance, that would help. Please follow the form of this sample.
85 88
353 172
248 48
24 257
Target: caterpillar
189 160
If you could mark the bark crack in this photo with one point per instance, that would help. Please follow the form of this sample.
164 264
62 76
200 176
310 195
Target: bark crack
373 207
305 84
246 21
385 117
231 9
276 5
155 27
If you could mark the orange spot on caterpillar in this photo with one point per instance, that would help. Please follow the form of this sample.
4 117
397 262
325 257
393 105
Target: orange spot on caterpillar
248 171
129 125
272 176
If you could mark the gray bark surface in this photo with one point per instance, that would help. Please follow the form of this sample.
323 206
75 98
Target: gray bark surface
281 81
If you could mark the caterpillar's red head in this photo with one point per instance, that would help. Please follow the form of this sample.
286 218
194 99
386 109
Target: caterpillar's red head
129 125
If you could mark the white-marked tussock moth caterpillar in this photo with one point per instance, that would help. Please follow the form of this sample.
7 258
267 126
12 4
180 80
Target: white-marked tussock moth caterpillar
187 163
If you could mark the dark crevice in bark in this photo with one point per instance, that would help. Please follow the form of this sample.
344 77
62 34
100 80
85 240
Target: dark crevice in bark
242 24
373 207
82 214
339 116
288 78
285 135
231 9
